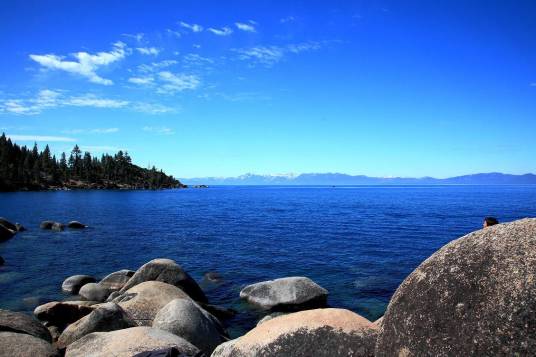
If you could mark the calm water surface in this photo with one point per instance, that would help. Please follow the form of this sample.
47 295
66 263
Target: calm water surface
358 242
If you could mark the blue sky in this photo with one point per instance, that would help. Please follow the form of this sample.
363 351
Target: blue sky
221 88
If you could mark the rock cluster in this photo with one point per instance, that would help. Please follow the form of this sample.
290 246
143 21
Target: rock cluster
475 296
8 229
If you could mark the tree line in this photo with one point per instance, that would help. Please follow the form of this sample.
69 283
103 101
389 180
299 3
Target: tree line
22 168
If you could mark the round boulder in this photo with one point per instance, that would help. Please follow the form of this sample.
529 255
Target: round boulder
143 301
22 345
321 332
116 280
475 296
22 323
107 317
128 342
186 319
286 294
166 271
73 283
51 225
76 225
94 292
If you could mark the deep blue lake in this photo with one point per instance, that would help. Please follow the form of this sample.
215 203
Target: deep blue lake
357 242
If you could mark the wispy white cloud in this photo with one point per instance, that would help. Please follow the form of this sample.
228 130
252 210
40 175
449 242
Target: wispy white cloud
141 80
162 130
86 64
49 99
177 82
191 27
153 51
155 66
39 138
267 55
137 36
91 131
174 33
287 19
533 84
100 148
224 31
245 27
270 55
154 109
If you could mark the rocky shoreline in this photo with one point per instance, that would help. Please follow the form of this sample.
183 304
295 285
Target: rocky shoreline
474 296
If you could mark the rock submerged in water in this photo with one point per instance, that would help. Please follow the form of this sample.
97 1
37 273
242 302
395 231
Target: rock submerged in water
320 332
6 233
166 271
76 225
22 323
51 225
128 342
73 283
143 301
22 345
475 296
2 261
7 224
184 318
286 294
107 317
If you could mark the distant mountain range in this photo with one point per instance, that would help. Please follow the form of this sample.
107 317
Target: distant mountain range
493 178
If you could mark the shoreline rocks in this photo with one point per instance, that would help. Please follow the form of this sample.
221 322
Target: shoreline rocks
94 292
22 345
286 294
21 323
320 332
128 342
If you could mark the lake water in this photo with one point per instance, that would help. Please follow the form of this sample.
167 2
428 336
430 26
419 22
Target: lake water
357 242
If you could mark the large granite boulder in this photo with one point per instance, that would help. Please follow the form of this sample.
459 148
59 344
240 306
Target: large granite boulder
127 342
321 332
61 314
166 271
143 301
22 323
22 345
286 294
107 317
94 292
73 283
76 225
476 296
184 318
6 233
116 280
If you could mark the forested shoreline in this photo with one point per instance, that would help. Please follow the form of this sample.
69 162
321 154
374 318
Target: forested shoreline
24 169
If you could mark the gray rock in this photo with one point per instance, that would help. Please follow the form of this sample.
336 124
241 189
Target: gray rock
22 323
379 322
319 333
112 296
143 301
220 312
51 225
116 280
4 222
94 292
475 296
127 342
271 317
166 271
6 233
73 283
286 294
20 227
213 277
184 318
61 314
107 317
22 345
76 225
